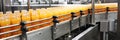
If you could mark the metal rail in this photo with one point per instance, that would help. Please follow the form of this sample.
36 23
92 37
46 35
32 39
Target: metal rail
93 12
26 22
53 28
27 33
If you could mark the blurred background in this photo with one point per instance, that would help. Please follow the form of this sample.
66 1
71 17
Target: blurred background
16 4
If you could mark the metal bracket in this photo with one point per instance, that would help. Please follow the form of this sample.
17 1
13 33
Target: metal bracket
81 13
24 31
106 15
53 28
89 19
88 16
71 25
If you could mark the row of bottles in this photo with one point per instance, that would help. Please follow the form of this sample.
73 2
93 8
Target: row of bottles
14 18
9 18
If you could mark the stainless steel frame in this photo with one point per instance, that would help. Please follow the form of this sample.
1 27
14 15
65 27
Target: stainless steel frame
93 12
89 34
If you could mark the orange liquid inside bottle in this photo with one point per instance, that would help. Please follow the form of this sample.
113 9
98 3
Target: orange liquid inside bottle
38 12
1 17
16 18
9 14
34 15
25 15
5 20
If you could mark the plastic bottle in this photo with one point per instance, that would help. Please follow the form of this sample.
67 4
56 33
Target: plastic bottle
43 14
5 19
34 15
16 18
1 15
38 12
49 13
25 16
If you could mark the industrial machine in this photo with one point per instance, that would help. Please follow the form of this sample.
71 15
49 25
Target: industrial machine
66 22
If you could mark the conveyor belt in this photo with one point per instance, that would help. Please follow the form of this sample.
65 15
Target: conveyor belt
82 35
48 22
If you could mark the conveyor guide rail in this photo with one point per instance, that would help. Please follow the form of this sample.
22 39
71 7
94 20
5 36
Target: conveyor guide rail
53 28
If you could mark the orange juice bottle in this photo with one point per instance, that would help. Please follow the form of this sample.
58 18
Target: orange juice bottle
25 15
34 15
55 12
6 19
30 12
38 12
1 15
43 14
49 14
9 13
16 17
